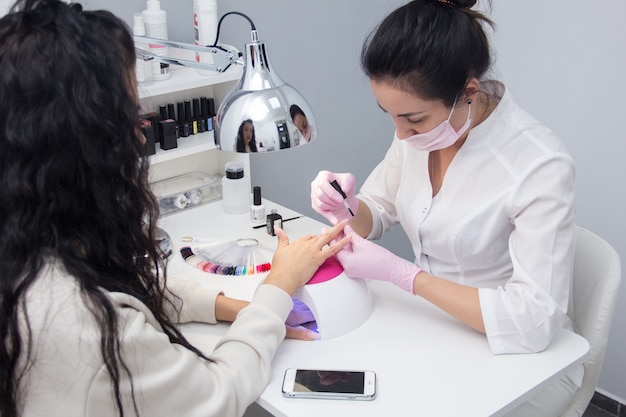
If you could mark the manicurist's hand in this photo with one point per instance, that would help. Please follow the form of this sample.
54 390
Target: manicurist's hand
295 263
365 259
328 202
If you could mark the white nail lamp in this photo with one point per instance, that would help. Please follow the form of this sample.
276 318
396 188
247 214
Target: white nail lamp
339 303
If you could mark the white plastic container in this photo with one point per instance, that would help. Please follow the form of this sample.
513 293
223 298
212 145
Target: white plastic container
205 20
235 190
155 21
143 67
186 191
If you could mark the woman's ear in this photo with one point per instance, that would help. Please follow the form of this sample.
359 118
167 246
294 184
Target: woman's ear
471 88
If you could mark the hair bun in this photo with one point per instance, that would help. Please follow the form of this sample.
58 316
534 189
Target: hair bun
77 7
461 4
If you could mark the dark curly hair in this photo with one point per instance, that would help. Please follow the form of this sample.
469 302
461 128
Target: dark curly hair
430 48
73 184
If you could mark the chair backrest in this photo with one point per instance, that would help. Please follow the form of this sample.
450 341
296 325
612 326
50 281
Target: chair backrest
596 279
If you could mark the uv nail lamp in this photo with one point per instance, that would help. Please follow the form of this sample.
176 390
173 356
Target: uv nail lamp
339 303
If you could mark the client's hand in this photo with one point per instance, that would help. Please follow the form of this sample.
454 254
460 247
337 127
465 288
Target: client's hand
226 309
327 201
365 259
295 263
300 314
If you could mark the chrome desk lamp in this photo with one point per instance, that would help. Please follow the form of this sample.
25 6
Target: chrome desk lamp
277 114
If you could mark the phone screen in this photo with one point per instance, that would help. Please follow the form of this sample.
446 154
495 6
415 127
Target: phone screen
344 382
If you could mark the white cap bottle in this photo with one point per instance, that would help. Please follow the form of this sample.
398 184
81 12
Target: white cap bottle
155 21
205 20
143 67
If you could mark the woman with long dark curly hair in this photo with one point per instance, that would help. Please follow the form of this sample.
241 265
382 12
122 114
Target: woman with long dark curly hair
246 137
87 324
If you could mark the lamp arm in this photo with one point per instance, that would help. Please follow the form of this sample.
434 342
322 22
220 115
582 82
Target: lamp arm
222 58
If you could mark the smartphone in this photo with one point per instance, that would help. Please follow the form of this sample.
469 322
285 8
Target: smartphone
329 384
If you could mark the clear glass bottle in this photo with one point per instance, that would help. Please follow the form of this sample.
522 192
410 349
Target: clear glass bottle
235 192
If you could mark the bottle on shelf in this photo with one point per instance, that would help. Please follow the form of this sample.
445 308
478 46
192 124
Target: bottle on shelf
155 21
143 66
205 20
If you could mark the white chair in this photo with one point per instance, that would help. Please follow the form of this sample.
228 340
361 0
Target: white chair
596 278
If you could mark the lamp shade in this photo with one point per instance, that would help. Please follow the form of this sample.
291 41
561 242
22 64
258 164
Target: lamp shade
263 113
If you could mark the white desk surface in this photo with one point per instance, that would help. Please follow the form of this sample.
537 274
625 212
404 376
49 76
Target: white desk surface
424 359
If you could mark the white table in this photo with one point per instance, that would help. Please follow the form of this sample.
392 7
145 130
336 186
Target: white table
427 363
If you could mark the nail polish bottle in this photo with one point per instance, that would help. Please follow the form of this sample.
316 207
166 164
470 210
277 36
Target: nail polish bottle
167 131
204 112
257 209
148 132
183 126
163 112
189 118
172 115
211 114
154 118
197 115
274 220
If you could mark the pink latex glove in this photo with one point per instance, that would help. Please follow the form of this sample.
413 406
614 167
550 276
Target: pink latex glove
328 202
364 259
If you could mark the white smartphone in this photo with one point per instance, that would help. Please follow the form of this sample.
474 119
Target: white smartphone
329 384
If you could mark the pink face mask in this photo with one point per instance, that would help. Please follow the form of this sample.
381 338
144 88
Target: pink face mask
442 136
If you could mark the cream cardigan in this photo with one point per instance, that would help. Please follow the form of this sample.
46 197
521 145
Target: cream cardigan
67 376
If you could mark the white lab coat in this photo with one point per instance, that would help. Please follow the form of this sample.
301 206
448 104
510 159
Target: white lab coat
503 221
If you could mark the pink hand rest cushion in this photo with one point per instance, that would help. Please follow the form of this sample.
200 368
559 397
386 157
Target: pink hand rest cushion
331 268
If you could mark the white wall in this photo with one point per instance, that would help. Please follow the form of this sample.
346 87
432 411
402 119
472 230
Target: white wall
4 7
564 61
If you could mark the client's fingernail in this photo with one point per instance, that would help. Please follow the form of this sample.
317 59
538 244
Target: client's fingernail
313 335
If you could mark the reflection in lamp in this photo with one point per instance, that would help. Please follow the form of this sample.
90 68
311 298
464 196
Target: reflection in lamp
264 98
258 110
274 102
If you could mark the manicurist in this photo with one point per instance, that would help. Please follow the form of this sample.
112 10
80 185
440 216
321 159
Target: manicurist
484 192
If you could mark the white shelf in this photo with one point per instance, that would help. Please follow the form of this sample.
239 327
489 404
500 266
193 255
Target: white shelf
186 146
195 152
188 78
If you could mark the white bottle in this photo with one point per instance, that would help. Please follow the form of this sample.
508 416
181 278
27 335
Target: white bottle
257 209
143 67
205 20
155 21
235 190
